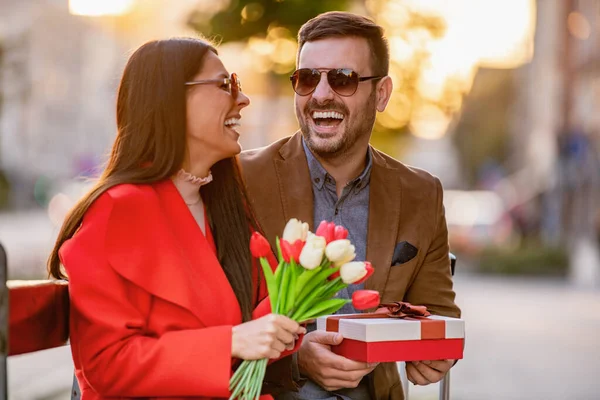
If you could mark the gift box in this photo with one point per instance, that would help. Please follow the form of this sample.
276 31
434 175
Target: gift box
379 338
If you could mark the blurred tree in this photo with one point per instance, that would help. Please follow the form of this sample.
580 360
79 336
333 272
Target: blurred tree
269 27
239 20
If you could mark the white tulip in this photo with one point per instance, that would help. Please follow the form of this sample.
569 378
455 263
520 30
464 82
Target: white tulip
353 271
312 252
295 230
340 251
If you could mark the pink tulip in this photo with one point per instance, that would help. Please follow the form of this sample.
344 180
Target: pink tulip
326 230
340 233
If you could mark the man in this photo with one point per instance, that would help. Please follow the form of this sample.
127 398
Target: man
328 171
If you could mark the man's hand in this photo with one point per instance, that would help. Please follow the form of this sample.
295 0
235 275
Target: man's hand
330 371
426 372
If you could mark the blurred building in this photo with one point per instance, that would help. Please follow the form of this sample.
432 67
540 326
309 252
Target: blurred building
555 133
58 78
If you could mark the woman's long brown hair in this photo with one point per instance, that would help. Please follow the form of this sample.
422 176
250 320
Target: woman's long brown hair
150 147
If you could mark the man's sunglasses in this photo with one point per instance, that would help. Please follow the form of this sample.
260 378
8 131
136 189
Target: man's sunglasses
343 81
231 84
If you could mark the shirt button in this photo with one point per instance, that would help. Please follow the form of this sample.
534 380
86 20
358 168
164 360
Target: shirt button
317 180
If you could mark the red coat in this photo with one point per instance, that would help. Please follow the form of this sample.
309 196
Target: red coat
151 308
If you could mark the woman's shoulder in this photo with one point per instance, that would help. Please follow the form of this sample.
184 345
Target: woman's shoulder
123 204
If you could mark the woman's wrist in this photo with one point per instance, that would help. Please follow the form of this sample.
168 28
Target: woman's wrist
234 341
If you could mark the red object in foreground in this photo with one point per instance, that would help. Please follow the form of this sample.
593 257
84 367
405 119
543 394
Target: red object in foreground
365 299
38 315
259 245
376 337
402 350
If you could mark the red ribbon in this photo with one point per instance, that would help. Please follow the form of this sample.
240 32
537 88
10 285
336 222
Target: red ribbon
430 328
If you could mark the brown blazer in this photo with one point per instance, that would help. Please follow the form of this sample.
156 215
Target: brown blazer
405 205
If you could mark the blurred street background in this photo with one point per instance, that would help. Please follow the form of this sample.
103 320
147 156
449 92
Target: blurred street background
498 98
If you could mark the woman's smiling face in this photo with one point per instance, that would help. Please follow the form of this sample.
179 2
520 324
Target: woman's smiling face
213 114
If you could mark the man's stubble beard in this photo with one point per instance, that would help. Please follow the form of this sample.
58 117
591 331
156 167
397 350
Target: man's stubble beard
338 149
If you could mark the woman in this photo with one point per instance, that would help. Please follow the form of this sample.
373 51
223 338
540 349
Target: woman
162 284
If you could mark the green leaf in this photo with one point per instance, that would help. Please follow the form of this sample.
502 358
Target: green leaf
330 289
320 308
329 311
283 289
305 276
279 254
311 285
291 287
271 283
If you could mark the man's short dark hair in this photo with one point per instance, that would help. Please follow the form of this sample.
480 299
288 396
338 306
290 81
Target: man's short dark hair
336 24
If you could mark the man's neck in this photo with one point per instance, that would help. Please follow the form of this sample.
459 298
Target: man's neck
345 167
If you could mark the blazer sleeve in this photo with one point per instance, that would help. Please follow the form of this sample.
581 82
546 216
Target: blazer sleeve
114 355
432 286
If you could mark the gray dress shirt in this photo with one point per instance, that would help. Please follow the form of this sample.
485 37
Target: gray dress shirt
351 210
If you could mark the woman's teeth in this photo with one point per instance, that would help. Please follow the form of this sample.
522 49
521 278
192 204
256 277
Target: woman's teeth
232 122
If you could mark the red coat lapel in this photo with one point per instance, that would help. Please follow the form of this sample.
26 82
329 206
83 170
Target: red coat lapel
172 259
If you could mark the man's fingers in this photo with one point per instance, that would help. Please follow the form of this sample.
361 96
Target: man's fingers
430 374
414 375
345 364
440 365
323 337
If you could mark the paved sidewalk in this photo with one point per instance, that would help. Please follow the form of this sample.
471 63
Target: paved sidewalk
526 339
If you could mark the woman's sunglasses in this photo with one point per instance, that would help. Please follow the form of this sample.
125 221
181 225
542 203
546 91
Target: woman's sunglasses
231 84
343 81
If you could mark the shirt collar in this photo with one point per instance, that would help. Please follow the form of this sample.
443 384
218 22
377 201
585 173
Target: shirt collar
318 174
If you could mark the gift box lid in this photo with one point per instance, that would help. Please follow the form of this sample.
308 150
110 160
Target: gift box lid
394 329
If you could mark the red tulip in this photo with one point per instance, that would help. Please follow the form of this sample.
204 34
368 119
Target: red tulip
340 233
365 299
259 246
335 275
291 251
370 271
326 230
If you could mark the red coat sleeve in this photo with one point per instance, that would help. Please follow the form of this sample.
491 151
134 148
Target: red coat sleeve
114 356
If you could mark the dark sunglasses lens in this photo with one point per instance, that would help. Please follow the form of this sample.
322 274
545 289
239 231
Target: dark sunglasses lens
304 81
343 81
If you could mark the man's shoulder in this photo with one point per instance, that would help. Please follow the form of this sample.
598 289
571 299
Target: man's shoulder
262 154
412 176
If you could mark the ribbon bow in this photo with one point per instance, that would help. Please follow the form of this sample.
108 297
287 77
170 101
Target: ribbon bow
400 309
396 309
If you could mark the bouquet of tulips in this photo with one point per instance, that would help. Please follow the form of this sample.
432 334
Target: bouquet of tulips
312 268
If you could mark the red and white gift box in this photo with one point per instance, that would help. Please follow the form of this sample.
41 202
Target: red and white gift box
374 339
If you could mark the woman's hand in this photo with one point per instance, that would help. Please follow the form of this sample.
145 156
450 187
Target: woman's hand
265 337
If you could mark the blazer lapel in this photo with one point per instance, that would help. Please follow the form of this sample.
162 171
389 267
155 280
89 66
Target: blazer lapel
384 216
294 180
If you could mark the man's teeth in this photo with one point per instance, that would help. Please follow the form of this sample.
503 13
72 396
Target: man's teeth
232 122
327 114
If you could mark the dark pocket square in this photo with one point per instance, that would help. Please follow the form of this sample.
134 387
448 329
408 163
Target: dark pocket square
404 252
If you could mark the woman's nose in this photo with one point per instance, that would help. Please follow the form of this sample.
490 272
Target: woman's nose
242 100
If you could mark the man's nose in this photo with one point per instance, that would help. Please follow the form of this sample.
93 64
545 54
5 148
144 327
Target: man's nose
323 91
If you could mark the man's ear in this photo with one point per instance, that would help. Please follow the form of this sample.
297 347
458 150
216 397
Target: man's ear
384 92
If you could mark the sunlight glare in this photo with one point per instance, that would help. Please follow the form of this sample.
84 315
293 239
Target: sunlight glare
95 8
